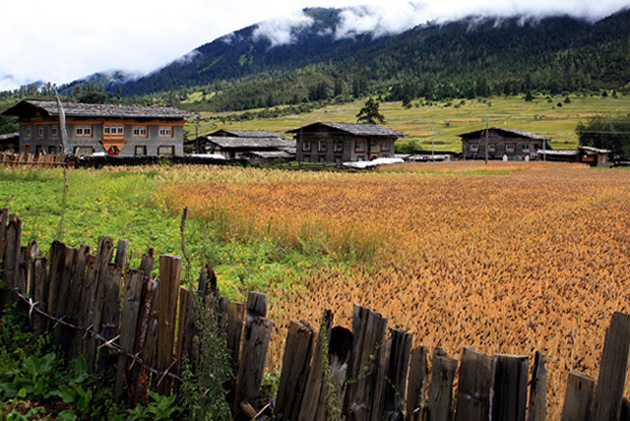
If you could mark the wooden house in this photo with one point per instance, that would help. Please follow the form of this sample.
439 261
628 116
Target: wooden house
10 141
124 130
262 148
516 145
344 142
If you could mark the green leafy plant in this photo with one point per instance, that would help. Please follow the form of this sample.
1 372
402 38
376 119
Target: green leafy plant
160 408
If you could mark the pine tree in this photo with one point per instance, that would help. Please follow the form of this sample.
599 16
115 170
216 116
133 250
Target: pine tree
370 113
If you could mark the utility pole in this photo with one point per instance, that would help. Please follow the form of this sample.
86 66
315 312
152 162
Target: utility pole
433 143
486 140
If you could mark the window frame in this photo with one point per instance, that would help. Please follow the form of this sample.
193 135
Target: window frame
83 131
142 148
510 148
165 128
171 147
139 131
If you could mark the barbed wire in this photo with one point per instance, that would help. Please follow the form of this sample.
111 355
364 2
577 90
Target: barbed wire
105 343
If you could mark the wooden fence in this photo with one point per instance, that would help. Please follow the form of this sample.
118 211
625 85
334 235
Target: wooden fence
19 158
135 327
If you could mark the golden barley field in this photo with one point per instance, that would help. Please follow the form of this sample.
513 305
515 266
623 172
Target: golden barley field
506 258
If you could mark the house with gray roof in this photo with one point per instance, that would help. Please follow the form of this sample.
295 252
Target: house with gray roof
344 142
265 148
117 130
515 144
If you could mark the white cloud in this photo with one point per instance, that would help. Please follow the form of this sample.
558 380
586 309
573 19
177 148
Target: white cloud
68 39
280 31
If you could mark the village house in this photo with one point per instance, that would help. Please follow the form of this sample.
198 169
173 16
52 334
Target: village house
516 145
117 130
344 142
260 145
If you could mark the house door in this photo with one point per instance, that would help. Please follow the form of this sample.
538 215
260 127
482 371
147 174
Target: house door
113 151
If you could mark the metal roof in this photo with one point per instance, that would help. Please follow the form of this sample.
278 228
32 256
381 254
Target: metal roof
9 136
520 133
246 133
249 142
561 152
76 109
596 150
357 129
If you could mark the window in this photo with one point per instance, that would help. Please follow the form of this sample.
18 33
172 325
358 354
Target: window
323 146
83 131
166 150
492 148
38 150
510 147
166 132
52 149
359 146
385 146
28 132
474 148
141 150
139 131
375 148
40 131
54 131
338 147
83 150
110 130
306 146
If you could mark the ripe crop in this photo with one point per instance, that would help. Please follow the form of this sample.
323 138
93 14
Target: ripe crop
506 258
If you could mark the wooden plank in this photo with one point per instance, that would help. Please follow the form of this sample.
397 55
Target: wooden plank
80 342
368 328
613 368
122 248
11 258
475 384
252 366
440 403
510 387
578 397
186 328
167 299
538 390
418 379
377 405
128 324
40 293
339 350
62 336
295 367
57 256
33 253
234 330
397 374
104 255
111 315
313 388
75 299
4 222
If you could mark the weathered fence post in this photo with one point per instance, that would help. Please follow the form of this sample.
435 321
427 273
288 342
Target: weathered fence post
476 376
417 387
167 299
311 408
510 387
368 328
578 397
538 390
295 368
396 380
440 404
12 250
129 321
613 368
252 365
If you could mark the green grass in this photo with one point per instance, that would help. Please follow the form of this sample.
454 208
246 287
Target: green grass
446 120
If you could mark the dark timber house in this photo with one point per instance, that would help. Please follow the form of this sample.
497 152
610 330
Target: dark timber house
248 144
515 144
125 130
344 142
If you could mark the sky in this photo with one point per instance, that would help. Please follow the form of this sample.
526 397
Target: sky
61 41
